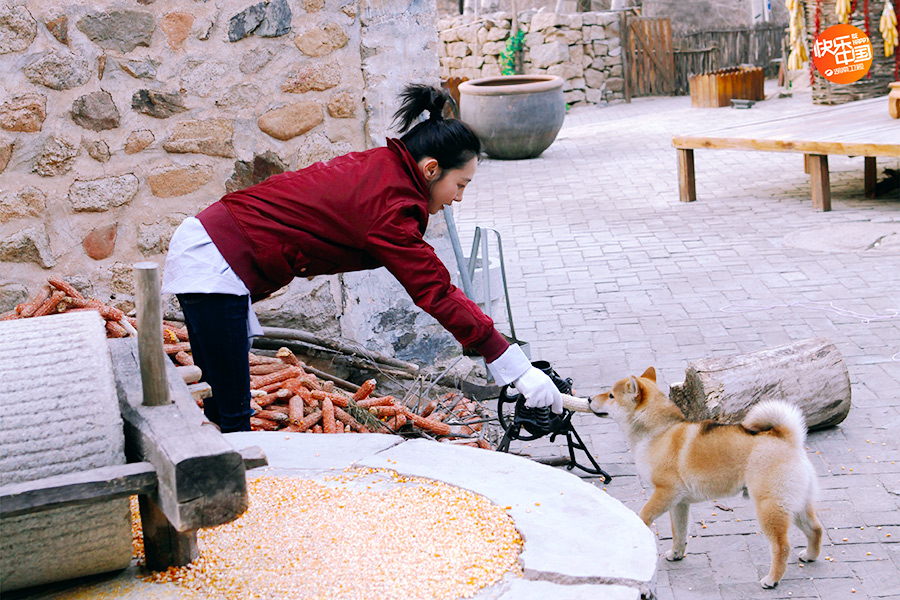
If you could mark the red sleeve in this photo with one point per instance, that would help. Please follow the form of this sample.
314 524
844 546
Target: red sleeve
395 241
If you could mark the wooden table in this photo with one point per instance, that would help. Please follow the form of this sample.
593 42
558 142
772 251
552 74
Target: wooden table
860 128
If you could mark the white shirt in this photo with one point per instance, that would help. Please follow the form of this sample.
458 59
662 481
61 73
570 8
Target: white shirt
195 266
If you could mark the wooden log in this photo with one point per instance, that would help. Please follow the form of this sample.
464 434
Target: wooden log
810 374
201 477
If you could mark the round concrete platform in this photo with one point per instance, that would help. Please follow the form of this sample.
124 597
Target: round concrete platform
579 543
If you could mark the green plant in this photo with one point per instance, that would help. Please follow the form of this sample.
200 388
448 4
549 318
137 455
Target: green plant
514 45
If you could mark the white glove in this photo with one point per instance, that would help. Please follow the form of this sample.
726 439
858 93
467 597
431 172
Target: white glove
539 390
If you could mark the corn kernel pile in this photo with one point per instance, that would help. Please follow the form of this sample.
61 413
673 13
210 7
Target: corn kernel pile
305 539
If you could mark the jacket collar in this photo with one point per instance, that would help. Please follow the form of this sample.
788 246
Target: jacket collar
411 165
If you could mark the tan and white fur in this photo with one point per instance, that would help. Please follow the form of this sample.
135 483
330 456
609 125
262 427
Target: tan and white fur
687 462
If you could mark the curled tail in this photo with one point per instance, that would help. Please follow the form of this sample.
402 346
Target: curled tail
782 418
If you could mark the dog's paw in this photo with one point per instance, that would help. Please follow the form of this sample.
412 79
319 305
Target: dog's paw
672 556
806 557
768 582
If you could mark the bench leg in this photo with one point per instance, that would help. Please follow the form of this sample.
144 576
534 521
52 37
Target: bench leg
164 546
871 176
821 185
687 189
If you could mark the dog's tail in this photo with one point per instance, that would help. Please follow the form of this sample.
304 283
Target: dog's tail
781 418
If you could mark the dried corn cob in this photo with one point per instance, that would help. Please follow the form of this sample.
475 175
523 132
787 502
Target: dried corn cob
183 358
364 390
257 423
64 287
272 415
370 402
287 357
49 305
328 422
336 399
29 308
114 330
174 348
255 359
263 380
309 420
295 406
266 369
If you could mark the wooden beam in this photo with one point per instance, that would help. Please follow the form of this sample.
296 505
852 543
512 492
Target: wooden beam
820 183
870 176
164 546
149 326
687 189
201 478
81 487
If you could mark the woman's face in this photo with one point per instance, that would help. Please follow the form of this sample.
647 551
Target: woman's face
446 187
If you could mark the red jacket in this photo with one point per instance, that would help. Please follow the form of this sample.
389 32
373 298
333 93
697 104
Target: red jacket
359 211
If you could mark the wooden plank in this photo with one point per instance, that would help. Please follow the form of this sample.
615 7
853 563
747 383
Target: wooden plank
81 487
870 178
821 186
201 478
687 189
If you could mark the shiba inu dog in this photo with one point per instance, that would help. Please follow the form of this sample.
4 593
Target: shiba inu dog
687 462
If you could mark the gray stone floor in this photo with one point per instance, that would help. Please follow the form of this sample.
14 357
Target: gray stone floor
610 273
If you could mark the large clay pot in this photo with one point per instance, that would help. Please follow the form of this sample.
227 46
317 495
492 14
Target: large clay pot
514 116
894 99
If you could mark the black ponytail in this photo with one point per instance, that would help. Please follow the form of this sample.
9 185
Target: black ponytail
449 141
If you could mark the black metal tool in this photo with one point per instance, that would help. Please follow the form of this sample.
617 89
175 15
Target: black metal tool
538 422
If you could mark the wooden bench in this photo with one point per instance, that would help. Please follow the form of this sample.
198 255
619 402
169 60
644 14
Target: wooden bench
861 128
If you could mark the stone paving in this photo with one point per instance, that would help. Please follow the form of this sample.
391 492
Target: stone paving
609 273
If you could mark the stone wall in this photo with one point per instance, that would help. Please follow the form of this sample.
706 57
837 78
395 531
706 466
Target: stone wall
118 120
582 48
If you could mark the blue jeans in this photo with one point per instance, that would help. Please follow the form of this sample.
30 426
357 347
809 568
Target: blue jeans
217 326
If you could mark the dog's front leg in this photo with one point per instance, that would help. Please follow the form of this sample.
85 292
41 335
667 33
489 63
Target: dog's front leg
679 515
659 502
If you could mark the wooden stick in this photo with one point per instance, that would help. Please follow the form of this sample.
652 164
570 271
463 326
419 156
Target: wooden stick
154 382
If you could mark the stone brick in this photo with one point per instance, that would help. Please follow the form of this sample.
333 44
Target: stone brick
100 195
154 238
247 173
140 69
96 111
457 49
245 22
342 105
277 20
24 113
138 140
30 245
101 241
292 120
242 95
176 26
493 48
347 9
314 5
168 182
316 76
17 28
208 136
322 41
97 149
160 105
6 149
122 30
201 78
615 84
594 78
56 157
12 294
546 55
316 147
59 28
27 202
546 20
58 70
255 60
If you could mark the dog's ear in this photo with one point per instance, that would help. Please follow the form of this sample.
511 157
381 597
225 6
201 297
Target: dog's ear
635 390
650 374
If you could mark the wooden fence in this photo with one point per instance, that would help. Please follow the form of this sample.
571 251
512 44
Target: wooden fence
648 61
707 51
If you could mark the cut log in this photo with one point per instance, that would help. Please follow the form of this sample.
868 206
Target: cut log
810 374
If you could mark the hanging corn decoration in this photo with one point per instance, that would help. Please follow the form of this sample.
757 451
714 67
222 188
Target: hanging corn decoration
888 28
842 10
798 54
